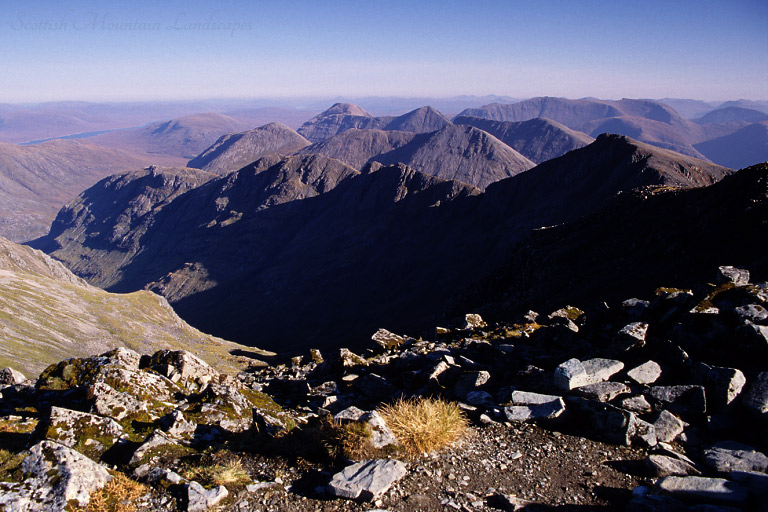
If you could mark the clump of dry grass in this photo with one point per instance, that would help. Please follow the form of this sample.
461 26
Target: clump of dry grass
423 425
226 473
119 495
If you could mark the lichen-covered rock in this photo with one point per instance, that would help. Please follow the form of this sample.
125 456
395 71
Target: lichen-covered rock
54 477
183 368
156 439
225 406
599 369
118 405
88 434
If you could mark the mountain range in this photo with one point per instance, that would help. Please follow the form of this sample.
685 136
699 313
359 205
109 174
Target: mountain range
300 251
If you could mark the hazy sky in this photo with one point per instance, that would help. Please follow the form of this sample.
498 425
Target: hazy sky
99 50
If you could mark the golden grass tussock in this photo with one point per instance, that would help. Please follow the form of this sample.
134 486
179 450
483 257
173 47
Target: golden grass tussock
119 495
423 425
227 473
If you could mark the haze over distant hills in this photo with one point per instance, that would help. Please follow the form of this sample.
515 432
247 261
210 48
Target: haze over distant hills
305 251
175 141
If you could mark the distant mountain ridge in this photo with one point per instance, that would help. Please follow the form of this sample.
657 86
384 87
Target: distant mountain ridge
236 150
305 251
537 139
345 116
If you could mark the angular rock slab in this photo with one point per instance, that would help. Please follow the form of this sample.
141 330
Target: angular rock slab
533 406
647 373
606 421
701 489
664 465
732 456
366 480
11 376
680 399
668 427
600 370
571 374
387 339
54 476
602 391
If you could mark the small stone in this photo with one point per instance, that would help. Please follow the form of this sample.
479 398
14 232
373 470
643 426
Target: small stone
201 499
155 439
632 335
386 339
351 413
381 435
646 373
752 312
636 404
473 321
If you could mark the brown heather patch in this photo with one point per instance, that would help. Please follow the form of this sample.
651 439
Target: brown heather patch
119 495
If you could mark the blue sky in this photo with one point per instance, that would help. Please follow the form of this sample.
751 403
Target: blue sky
86 50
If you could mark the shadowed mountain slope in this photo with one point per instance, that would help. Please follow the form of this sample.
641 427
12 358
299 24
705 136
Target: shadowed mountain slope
47 314
236 150
345 116
173 142
461 153
621 250
304 251
37 180
747 146
537 139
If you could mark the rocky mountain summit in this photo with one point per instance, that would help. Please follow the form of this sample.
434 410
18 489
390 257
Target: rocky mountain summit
654 403
345 116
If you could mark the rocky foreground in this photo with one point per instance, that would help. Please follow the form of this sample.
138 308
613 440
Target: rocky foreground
658 404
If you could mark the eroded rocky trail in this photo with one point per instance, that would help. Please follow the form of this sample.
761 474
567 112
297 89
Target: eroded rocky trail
655 404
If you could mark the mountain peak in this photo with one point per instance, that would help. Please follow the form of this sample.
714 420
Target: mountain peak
346 108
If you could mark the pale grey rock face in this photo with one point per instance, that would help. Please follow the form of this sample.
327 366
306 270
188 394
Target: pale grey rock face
697 488
473 321
54 476
183 368
366 480
646 373
668 427
381 435
115 404
71 428
636 404
732 456
600 370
